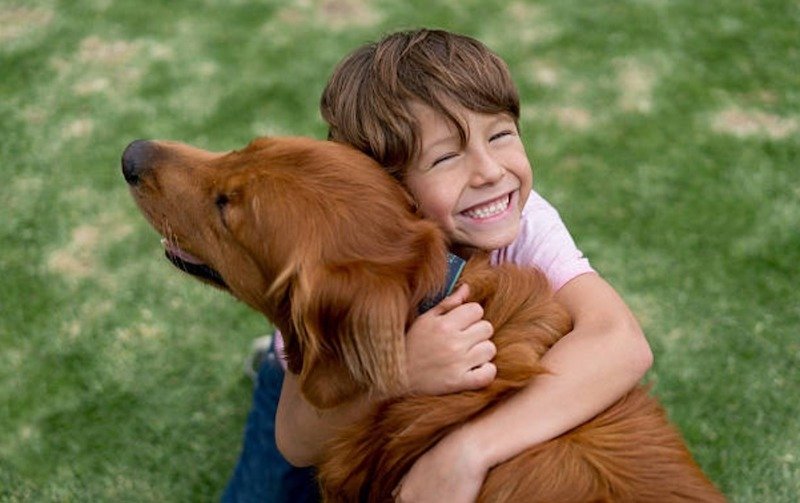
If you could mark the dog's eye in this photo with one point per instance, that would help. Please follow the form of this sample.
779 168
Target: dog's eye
222 201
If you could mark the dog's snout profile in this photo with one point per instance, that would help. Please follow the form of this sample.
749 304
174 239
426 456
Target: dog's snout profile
136 159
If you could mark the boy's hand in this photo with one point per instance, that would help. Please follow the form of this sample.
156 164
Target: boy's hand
450 471
448 348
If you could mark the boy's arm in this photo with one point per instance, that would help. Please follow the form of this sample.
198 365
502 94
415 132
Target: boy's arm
603 357
301 430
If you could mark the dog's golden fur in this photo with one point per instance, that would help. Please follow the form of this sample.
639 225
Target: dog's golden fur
324 243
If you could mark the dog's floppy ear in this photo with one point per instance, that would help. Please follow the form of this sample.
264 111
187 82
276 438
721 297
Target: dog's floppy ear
351 321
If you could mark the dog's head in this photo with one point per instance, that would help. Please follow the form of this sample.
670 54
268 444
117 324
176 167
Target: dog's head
311 233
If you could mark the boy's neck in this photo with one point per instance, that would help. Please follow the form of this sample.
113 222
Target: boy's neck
463 251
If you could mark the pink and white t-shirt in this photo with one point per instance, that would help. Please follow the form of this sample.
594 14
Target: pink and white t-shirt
543 242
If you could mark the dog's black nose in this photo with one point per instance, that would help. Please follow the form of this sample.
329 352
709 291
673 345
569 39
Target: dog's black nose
136 159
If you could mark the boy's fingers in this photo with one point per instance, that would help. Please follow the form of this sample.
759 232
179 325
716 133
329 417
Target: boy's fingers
455 299
482 353
482 376
479 331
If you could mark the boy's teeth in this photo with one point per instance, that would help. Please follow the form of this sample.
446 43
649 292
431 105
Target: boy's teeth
488 210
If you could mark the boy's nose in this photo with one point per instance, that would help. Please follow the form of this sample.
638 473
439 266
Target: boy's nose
487 170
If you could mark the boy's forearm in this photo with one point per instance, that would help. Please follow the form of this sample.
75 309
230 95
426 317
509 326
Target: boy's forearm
301 431
589 373
604 356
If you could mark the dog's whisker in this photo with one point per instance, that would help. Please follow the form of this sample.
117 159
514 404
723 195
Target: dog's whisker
171 241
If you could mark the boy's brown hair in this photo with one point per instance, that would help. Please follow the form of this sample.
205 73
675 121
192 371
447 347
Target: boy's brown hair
366 101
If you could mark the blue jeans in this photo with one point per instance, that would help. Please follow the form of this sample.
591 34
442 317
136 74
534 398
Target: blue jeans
262 475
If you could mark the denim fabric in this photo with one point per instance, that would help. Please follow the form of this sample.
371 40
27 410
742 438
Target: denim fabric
262 475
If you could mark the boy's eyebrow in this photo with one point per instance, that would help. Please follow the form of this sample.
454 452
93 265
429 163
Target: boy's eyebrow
501 117
441 140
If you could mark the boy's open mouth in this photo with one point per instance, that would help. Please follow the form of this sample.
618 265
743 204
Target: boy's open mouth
490 209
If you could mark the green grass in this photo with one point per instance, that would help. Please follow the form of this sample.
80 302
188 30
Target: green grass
667 133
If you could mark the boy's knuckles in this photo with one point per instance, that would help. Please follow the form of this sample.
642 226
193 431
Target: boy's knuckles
484 328
488 349
475 310
480 377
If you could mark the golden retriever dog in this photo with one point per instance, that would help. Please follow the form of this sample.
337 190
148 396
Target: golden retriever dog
318 238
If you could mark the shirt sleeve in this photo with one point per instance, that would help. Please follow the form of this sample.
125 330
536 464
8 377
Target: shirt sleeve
545 243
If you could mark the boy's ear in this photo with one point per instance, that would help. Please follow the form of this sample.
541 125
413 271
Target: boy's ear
351 321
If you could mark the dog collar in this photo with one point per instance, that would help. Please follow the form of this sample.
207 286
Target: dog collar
455 265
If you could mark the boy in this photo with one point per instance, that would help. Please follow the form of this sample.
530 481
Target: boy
440 112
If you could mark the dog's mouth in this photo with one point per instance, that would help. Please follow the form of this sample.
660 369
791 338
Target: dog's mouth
190 264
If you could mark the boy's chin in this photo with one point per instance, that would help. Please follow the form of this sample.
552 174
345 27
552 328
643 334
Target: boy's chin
487 242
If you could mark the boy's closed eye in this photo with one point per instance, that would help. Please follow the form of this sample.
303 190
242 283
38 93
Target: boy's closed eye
443 158
501 134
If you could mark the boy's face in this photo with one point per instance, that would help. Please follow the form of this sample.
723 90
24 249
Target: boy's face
474 192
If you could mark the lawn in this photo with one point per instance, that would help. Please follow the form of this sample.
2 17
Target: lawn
667 133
